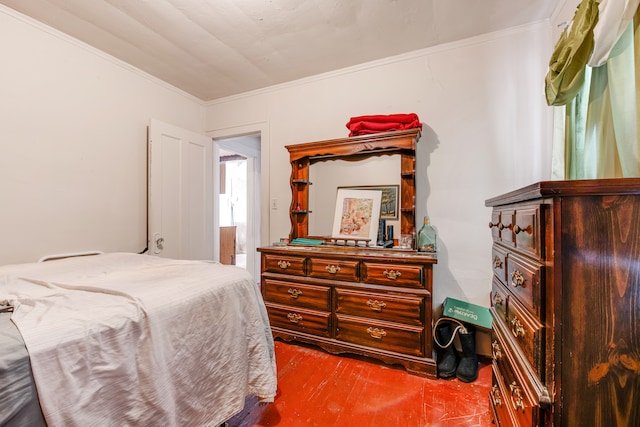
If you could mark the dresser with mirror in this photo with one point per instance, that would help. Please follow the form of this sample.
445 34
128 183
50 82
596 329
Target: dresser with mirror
352 297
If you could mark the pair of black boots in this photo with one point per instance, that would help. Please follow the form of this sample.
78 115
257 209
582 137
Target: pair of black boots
463 366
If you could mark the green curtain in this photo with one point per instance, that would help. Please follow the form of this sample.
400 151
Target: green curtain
601 123
571 54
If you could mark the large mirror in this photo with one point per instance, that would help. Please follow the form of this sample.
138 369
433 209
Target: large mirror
327 175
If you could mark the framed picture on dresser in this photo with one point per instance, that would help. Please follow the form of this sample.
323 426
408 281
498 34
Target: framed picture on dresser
357 214
389 200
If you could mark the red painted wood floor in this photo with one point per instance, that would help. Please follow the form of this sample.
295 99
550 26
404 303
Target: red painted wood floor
316 388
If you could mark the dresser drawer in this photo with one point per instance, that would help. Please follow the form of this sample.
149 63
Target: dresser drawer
528 333
499 263
514 409
297 295
393 274
334 269
393 308
382 335
297 319
499 300
283 264
524 279
527 230
500 412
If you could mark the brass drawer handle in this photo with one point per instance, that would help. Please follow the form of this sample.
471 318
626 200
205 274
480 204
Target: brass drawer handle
495 391
517 279
376 305
496 351
501 226
333 269
284 264
497 262
391 274
294 317
376 333
491 224
516 397
295 293
497 299
516 327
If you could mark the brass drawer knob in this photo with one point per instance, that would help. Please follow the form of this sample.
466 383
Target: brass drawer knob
517 229
391 274
284 264
376 333
497 299
517 279
516 327
295 293
332 269
516 397
497 262
376 305
496 351
294 317
495 392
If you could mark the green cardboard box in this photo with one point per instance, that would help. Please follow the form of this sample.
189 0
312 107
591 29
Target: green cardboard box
467 312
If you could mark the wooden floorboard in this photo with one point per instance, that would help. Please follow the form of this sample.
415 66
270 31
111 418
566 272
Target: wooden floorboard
316 388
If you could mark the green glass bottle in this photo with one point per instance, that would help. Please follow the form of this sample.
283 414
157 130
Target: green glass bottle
426 237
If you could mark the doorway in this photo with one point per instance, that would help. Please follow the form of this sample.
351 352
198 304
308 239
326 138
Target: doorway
239 196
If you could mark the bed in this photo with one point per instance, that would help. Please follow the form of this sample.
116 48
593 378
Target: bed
128 339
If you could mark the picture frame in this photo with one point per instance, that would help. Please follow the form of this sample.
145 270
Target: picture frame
357 214
389 201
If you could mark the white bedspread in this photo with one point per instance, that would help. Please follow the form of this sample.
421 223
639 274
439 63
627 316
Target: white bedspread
126 339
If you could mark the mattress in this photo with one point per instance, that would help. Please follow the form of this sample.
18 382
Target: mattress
18 399
127 339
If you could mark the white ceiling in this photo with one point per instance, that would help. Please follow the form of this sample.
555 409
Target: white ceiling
216 48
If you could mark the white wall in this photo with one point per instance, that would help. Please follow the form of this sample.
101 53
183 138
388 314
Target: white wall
487 130
73 143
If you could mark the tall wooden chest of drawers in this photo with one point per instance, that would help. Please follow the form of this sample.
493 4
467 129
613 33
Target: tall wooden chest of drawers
366 301
566 304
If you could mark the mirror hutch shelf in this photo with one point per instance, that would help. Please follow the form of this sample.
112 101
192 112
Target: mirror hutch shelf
302 156
353 299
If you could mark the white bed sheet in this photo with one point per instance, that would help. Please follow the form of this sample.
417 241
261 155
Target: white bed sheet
127 339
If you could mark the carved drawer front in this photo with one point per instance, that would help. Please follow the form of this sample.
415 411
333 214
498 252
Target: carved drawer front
499 300
526 229
506 227
514 408
284 264
498 401
393 274
494 225
382 335
297 295
297 319
524 279
393 308
508 357
528 333
335 269
499 263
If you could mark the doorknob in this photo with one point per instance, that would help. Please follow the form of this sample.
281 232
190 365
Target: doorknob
158 243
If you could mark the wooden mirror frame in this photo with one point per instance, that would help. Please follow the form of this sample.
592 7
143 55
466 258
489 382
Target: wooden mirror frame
353 148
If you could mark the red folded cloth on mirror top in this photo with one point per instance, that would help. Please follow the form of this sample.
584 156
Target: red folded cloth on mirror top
363 125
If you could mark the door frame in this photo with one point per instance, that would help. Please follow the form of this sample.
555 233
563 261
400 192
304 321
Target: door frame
261 237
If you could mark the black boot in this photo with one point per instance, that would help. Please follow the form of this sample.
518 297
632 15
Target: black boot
448 356
468 367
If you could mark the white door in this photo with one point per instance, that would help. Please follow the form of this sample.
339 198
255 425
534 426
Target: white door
180 223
